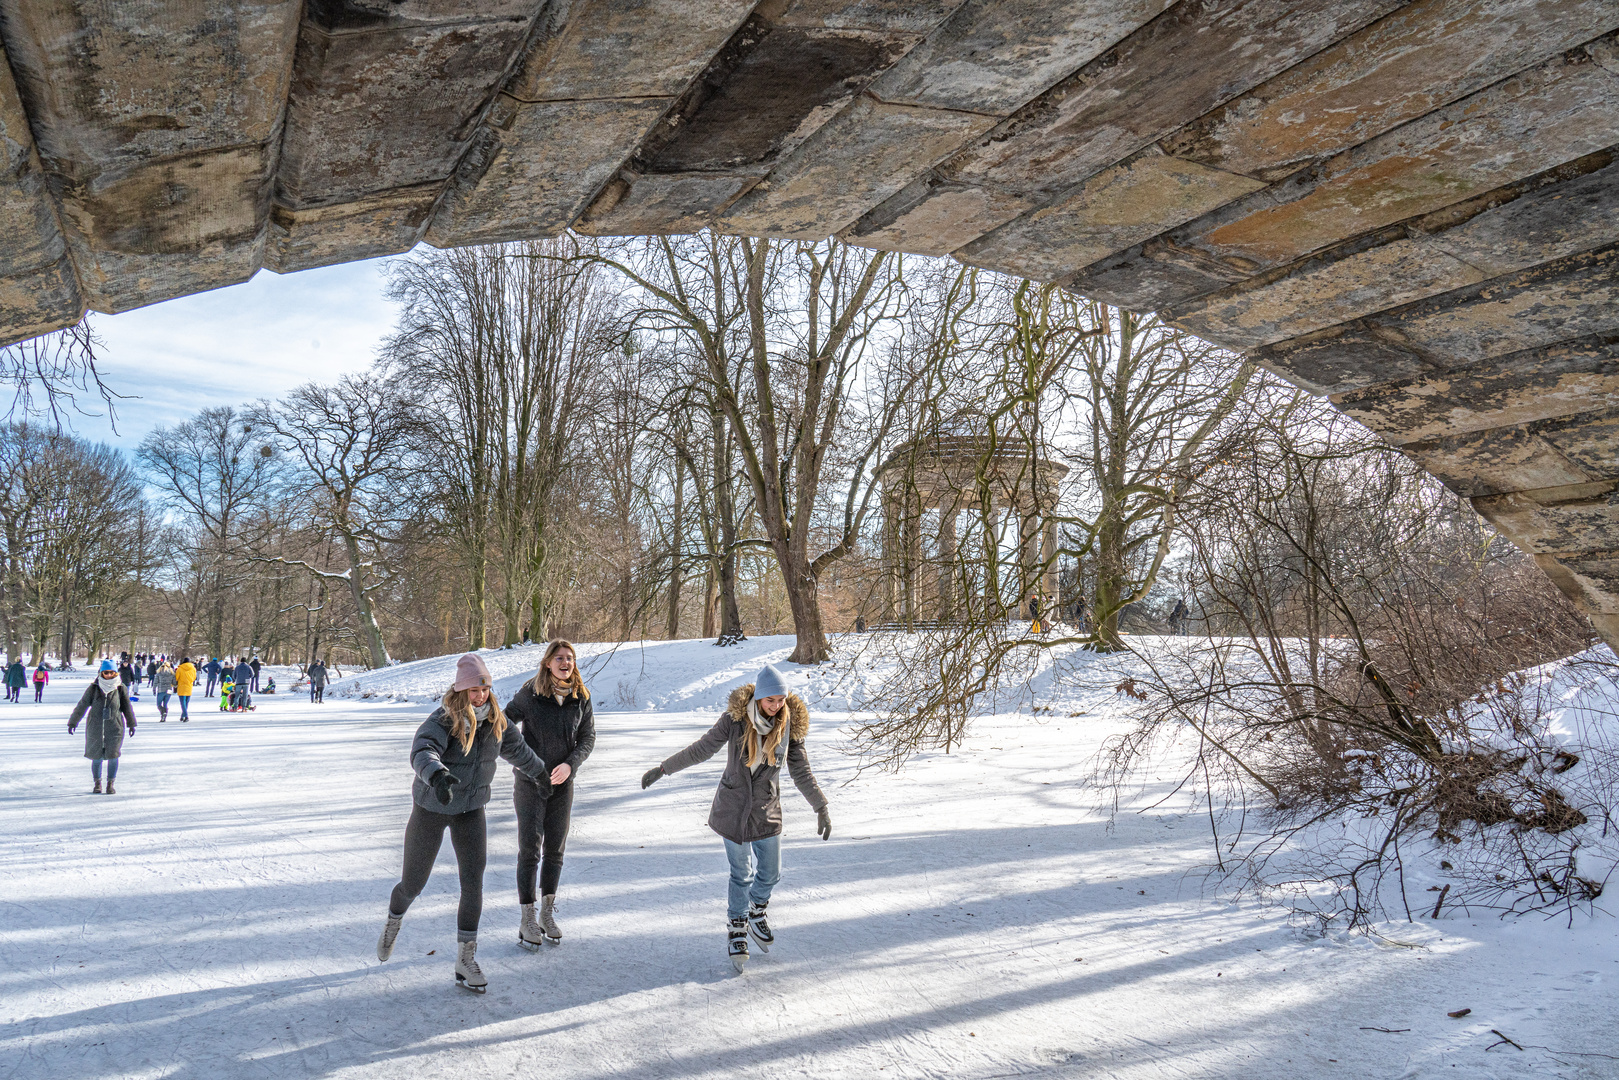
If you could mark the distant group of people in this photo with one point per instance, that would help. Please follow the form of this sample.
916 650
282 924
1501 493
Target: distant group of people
17 678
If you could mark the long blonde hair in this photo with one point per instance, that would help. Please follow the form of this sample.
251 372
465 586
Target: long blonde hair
545 686
750 735
464 723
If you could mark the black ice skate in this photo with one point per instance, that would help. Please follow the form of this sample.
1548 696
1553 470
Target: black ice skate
759 926
737 934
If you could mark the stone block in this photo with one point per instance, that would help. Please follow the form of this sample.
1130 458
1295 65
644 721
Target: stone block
1115 209
624 48
541 171
37 301
32 238
1410 62
1520 388
661 203
1591 440
1567 529
934 216
388 224
867 153
389 105
992 56
1344 359
1497 461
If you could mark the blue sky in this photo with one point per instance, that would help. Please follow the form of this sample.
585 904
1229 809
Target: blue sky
237 344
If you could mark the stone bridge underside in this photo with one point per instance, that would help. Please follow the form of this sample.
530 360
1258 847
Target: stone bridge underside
1411 207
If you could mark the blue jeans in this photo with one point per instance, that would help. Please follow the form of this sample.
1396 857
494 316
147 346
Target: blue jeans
749 882
112 768
185 703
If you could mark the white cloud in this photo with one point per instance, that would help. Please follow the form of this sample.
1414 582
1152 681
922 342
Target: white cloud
234 345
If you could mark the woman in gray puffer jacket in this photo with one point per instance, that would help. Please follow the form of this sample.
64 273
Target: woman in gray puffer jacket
106 712
453 757
764 727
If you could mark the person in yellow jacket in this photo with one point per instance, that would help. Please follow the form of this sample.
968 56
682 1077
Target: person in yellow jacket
185 678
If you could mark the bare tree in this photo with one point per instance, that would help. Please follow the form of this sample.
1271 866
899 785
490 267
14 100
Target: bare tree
349 442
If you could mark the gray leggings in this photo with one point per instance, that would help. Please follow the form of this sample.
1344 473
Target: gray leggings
424 834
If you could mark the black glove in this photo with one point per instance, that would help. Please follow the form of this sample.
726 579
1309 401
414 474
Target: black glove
823 823
71 726
442 783
651 776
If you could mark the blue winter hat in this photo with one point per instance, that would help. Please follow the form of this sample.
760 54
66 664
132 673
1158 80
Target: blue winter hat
769 682
108 665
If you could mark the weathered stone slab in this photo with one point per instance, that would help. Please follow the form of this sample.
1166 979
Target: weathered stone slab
1496 462
933 216
1112 108
1345 359
1565 529
912 16
1152 275
623 48
387 224
1591 441
542 168
1115 209
661 203
1564 211
32 239
864 155
1528 124
393 102
1407 64
992 56
1519 388
174 227
34 302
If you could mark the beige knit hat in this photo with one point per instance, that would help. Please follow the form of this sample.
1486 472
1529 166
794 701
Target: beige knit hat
470 671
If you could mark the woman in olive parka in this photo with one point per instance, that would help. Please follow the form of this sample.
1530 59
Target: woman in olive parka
764 728
105 709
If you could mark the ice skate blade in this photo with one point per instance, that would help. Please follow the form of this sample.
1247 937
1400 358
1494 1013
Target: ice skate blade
525 943
549 940
461 981
764 946
740 963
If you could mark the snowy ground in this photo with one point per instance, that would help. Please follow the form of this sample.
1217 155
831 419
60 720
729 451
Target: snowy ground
971 917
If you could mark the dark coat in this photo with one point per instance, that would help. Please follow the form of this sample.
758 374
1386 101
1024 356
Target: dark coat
213 668
243 675
16 675
557 733
474 770
747 806
105 716
317 673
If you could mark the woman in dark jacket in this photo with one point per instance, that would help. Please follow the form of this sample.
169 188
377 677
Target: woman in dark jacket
763 726
453 757
553 709
16 679
106 712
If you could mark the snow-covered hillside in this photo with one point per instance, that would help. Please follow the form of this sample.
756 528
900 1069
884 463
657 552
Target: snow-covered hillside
973 916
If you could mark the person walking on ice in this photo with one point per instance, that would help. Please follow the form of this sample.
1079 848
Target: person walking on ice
763 726
42 677
16 679
106 712
163 684
317 680
453 757
554 712
185 680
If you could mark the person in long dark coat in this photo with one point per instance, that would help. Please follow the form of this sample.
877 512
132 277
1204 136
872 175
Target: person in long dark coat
16 679
107 713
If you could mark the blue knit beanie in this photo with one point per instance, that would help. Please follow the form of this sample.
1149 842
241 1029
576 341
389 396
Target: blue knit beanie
769 682
108 665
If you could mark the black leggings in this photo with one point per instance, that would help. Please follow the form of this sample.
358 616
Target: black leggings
424 834
542 822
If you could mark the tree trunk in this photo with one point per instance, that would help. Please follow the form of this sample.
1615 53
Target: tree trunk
671 626
477 603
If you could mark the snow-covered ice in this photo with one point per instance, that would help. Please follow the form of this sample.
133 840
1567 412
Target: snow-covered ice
972 916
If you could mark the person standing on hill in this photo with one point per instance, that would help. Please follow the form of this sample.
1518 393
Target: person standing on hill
16 679
317 680
212 669
554 712
106 711
763 728
42 676
163 684
453 757
185 681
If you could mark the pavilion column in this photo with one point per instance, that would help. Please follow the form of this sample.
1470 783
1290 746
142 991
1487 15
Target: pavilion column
948 510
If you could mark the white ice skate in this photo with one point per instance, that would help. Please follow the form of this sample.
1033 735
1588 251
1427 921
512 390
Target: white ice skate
467 971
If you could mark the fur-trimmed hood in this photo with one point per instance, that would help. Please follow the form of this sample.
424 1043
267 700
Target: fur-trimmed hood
797 711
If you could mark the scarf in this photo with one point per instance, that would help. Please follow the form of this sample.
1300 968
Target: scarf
764 725
108 685
481 713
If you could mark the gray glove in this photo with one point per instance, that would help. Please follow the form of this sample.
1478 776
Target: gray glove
443 782
651 776
823 823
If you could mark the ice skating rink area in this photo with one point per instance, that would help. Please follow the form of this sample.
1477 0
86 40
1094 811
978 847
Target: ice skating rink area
971 917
